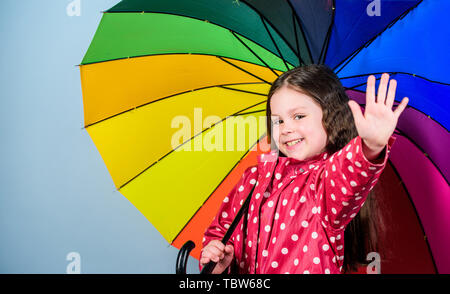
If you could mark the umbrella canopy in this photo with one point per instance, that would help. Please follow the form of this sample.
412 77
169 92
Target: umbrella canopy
174 98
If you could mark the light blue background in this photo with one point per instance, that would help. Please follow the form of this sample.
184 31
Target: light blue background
56 194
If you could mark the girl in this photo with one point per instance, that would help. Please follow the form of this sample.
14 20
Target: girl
323 164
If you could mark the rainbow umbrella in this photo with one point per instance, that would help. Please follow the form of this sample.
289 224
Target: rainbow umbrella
174 99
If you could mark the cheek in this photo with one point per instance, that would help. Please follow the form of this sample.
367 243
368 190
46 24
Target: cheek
322 138
307 130
316 133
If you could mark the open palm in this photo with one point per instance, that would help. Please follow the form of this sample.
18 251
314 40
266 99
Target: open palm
378 123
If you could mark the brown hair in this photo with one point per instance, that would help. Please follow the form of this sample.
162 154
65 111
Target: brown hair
321 83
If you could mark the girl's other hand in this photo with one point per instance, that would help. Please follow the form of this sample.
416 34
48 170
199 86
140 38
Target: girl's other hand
219 253
378 123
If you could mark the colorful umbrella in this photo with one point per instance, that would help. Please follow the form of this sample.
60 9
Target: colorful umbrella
174 99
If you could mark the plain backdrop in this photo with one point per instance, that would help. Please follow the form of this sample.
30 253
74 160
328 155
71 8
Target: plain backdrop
56 195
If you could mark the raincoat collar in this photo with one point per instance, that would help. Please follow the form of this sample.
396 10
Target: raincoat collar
288 168
274 156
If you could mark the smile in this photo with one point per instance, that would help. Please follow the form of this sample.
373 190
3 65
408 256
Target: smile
293 142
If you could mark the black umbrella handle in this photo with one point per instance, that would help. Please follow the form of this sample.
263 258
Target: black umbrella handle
183 256
208 268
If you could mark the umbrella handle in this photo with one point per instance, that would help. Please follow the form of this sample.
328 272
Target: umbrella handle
183 256
208 268
243 210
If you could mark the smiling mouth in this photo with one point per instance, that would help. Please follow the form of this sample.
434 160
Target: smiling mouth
293 142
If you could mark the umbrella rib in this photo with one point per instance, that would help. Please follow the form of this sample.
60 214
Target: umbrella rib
240 90
394 73
397 72
357 85
349 58
161 54
250 112
163 98
415 210
401 133
326 42
247 72
296 38
188 16
189 140
354 53
223 179
409 106
275 29
296 18
327 38
275 44
253 52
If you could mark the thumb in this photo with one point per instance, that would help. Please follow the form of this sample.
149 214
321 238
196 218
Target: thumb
229 254
401 107
229 249
356 110
227 259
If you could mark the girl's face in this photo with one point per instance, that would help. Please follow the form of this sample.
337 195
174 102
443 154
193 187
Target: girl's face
297 124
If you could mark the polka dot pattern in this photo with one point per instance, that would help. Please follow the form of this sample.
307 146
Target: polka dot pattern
293 206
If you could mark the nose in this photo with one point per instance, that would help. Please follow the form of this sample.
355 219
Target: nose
286 128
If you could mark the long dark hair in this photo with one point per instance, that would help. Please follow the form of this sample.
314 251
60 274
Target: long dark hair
321 83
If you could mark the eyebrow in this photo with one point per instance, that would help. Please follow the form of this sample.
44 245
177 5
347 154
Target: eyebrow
291 110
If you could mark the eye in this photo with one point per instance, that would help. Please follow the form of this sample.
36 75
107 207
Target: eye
276 122
299 116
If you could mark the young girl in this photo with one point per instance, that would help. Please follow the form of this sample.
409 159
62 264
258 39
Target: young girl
326 157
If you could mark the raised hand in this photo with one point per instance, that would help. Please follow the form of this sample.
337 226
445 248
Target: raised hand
378 123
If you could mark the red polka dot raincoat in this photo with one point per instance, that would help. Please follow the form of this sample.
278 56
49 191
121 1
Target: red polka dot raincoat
298 212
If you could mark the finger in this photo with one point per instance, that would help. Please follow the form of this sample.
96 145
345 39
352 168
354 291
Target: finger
370 90
357 113
212 256
391 93
381 96
229 249
208 256
204 260
401 107
216 253
217 244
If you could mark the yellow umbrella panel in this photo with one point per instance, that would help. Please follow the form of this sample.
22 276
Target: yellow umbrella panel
113 87
137 136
